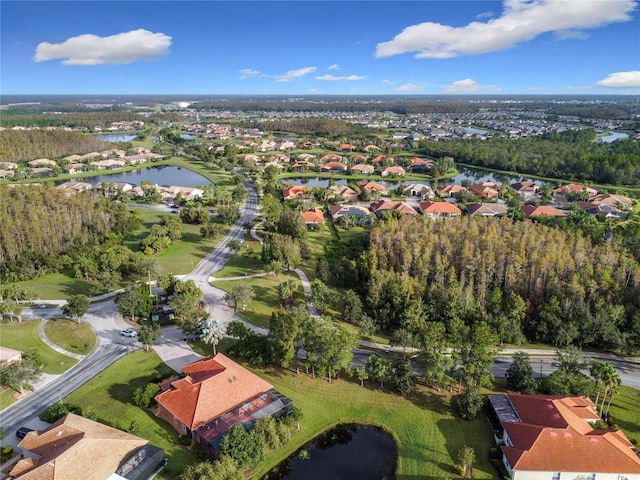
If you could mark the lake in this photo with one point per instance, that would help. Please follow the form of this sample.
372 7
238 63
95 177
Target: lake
115 137
345 452
160 175
612 137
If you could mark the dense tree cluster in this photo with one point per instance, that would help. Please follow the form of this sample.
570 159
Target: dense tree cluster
24 145
569 155
43 229
524 279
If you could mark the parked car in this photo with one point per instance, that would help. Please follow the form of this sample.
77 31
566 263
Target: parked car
22 432
128 332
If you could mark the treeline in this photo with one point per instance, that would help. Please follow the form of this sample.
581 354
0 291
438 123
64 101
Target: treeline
576 159
42 229
71 117
316 126
524 279
24 145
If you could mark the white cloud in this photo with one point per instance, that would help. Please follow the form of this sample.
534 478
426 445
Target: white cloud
349 78
335 66
578 87
408 87
89 49
388 82
621 80
248 72
521 21
293 74
469 86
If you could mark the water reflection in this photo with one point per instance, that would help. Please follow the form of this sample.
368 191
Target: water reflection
159 175
115 137
346 452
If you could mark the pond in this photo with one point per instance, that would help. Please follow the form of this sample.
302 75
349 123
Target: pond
115 137
345 452
612 137
159 175
187 136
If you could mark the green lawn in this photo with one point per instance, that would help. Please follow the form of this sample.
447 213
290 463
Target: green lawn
57 286
428 435
22 336
71 336
109 395
266 300
626 413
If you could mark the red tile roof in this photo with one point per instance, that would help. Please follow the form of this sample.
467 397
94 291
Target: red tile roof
371 186
293 192
542 210
402 207
439 208
555 435
218 385
314 215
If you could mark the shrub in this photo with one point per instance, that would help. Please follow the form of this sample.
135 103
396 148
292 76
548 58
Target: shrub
184 440
58 410
144 396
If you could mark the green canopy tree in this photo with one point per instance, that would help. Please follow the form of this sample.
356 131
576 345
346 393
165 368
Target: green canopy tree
76 307
520 374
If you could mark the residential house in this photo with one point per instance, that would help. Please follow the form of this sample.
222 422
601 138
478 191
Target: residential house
267 146
171 192
347 194
552 437
374 187
75 447
114 152
74 187
7 174
334 167
330 157
487 209
355 214
42 172
313 216
74 168
363 169
398 171
216 394
73 158
9 165
541 211
280 158
251 157
383 159
306 157
439 209
450 190
286 145
293 193
576 189
605 211
272 163
42 162
9 355
525 188
358 159
372 149
420 164
303 166
485 189
382 206
618 201
345 147
419 190
109 164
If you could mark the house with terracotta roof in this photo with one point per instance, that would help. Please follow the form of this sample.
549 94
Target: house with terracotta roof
346 147
541 211
383 159
552 437
485 189
75 447
574 188
371 148
293 193
303 166
618 201
334 167
439 209
398 171
487 209
379 208
313 216
374 187
330 157
347 194
216 394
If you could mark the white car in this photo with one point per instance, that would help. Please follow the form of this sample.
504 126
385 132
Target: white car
128 332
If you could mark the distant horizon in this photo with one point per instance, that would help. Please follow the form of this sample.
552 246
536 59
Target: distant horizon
320 48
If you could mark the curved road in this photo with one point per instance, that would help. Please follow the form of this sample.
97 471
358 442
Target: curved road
105 321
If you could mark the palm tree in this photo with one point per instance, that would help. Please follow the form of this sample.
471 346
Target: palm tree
597 371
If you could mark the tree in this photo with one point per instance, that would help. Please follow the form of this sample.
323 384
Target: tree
362 373
433 352
285 330
403 380
271 208
11 308
223 468
282 249
598 371
474 353
569 359
471 402
212 332
321 295
148 333
20 374
379 367
76 307
466 459
135 302
520 374
291 223
286 291
211 231
240 295
246 448
229 213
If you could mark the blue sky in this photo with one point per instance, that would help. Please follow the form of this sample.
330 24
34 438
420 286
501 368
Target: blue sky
309 47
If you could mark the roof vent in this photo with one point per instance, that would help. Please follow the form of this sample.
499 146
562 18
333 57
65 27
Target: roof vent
567 434
553 434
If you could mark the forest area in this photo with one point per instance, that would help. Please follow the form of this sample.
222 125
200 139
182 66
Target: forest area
574 156
25 145
530 282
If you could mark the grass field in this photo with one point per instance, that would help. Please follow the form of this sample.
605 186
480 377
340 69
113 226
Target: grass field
109 395
625 412
426 431
71 336
22 336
